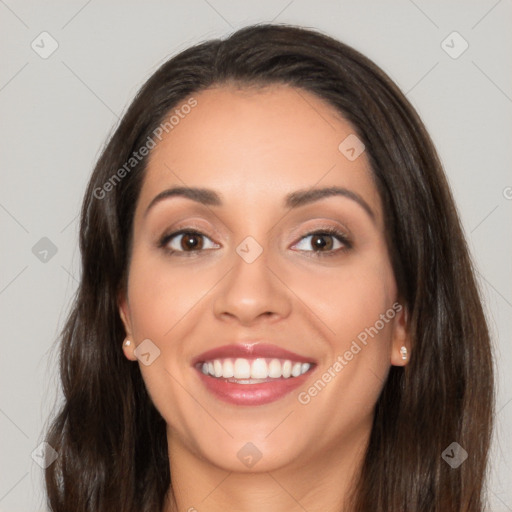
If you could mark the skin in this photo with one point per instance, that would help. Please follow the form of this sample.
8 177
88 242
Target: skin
253 147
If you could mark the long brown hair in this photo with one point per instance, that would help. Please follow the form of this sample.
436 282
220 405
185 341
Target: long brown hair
111 440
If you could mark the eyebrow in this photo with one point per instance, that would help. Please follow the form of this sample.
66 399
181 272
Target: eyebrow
293 200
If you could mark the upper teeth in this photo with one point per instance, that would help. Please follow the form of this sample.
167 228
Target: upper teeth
260 368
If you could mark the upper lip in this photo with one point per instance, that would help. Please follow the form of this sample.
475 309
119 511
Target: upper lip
250 350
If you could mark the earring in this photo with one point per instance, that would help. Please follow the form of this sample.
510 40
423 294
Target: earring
403 351
127 343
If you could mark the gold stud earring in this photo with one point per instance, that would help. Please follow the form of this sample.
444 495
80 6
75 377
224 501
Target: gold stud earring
403 352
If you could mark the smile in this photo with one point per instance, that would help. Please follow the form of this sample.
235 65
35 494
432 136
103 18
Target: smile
252 373
247 371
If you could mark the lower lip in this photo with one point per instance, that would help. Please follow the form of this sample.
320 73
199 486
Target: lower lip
252 394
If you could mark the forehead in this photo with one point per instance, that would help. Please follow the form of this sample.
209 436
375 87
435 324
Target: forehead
257 145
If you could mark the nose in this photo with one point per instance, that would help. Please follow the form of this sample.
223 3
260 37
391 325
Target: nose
252 292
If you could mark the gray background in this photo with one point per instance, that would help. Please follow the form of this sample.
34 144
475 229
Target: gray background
57 112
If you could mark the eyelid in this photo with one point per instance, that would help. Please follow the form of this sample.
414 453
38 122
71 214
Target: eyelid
192 226
322 223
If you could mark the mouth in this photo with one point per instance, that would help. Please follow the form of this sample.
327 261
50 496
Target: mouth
252 374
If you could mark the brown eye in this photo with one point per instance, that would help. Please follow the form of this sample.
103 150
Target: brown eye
186 241
191 241
325 242
319 242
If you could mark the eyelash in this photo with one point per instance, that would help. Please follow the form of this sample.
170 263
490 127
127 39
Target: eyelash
327 231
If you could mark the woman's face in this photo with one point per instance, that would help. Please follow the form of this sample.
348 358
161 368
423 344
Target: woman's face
256 276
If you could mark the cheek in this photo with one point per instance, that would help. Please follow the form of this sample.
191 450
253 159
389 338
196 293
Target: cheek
161 299
355 305
162 294
359 306
356 309
351 299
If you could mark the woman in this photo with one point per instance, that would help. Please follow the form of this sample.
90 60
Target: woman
277 309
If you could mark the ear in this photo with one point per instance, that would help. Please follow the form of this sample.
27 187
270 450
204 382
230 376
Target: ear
124 313
400 336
